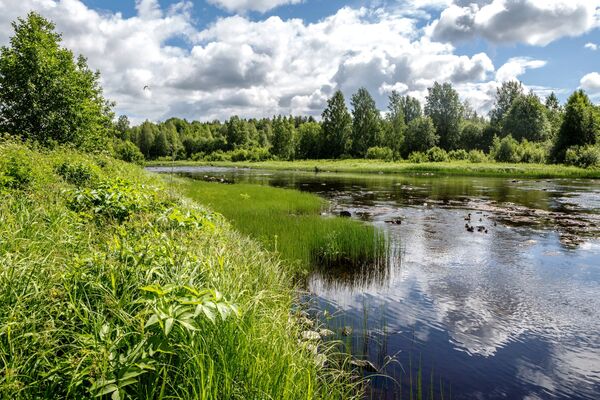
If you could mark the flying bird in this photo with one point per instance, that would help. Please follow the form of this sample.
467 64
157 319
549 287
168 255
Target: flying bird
146 87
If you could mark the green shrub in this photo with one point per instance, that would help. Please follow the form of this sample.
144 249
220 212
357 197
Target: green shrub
583 156
16 169
477 156
458 155
77 173
114 199
380 153
129 152
199 156
218 155
436 154
533 153
418 157
506 150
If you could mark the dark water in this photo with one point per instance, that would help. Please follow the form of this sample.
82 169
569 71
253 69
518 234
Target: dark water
513 313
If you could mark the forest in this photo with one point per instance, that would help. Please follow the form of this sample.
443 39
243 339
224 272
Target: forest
521 127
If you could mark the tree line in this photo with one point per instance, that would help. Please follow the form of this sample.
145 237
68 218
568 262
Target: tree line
49 96
521 127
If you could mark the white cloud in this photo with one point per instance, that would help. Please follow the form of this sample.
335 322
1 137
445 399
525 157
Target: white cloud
251 5
534 22
516 67
591 83
591 46
256 68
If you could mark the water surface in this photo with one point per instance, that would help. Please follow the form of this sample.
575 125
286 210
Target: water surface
508 312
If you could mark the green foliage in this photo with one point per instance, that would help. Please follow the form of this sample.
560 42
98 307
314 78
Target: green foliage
394 124
527 119
418 157
534 153
16 167
309 141
79 174
283 138
436 154
506 150
583 156
473 135
477 156
458 155
252 154
380 153
113 199
580 127
366 123
337 127
505 96
420 135
47 96
169 302
127 151
443 106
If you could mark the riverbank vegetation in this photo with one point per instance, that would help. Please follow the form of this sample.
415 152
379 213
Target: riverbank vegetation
520 128
289 222
113 284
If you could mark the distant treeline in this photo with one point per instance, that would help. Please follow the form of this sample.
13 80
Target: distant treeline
521 127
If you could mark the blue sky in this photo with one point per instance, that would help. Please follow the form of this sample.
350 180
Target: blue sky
211 59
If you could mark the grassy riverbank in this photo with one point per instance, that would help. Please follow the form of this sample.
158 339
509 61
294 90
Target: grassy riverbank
289 222
113 285
459 168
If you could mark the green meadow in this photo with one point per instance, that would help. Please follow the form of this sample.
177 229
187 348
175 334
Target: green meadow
290 223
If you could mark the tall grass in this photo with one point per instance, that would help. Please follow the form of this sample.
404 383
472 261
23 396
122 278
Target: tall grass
458 168
289 222
113 287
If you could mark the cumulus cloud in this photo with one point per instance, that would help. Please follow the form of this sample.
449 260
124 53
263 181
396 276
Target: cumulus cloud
532 22
591 83
251 5
254 68
516 67
591 46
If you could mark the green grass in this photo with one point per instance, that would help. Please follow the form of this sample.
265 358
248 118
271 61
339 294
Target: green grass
289 222
460 168
114 286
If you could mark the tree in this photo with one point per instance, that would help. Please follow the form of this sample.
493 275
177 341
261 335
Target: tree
555 113
309 141
420 135
393 132
45 94
337 127
527 119
237 133
411 108
283 138
580 127
445 109
122 126
146 139
366 123
506 94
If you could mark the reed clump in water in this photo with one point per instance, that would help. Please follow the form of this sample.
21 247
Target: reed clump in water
290 222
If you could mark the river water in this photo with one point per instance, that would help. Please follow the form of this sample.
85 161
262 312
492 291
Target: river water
508 311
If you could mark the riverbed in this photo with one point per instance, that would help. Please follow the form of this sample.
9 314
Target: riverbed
492 290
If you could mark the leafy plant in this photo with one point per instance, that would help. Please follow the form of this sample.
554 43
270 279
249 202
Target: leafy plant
77 173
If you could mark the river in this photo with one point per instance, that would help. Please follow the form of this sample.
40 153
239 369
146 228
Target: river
507 309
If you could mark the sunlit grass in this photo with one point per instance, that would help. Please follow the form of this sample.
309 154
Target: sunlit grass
95 303
289 222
